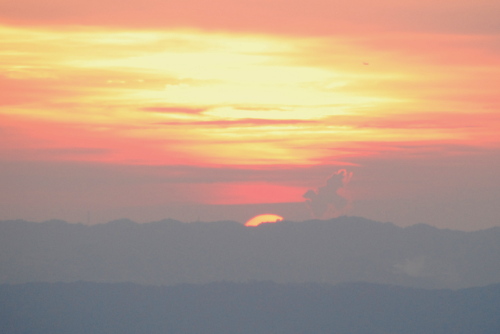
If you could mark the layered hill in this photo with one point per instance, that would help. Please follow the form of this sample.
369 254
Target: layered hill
345 249
246 308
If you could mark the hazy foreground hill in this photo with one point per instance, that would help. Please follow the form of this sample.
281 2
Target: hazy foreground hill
170 252
241 308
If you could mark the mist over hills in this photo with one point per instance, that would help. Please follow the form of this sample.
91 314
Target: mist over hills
246 308
346 249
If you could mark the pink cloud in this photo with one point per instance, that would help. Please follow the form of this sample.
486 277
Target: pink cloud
422 120
174 110
31 90
278 16
248 122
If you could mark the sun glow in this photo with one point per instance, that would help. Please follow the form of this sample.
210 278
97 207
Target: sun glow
187 97
208 95
265 218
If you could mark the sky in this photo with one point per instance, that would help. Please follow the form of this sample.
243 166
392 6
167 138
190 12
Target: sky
224 110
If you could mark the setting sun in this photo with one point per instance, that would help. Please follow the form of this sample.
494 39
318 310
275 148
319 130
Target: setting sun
265 218
227 109
241 166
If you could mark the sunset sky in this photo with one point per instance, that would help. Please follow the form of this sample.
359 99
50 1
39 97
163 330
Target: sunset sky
223 110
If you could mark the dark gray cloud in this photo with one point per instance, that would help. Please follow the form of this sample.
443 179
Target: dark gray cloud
326 200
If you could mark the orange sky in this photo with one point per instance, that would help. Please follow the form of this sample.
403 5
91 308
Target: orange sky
248 102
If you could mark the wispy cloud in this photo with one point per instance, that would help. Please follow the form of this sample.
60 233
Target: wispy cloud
241 122
174 110
304 17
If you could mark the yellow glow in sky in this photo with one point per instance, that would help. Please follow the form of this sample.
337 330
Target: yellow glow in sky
232 103
218 98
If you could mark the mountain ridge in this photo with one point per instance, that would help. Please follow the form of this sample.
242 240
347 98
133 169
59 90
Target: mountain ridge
169 252
252 307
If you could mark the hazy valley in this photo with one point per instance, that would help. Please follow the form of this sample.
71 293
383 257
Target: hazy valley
246 308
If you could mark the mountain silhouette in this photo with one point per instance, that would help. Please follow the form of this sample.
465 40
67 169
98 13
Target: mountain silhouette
245 308
346 249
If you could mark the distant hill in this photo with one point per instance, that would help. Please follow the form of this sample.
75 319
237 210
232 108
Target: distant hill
246 308
169 252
